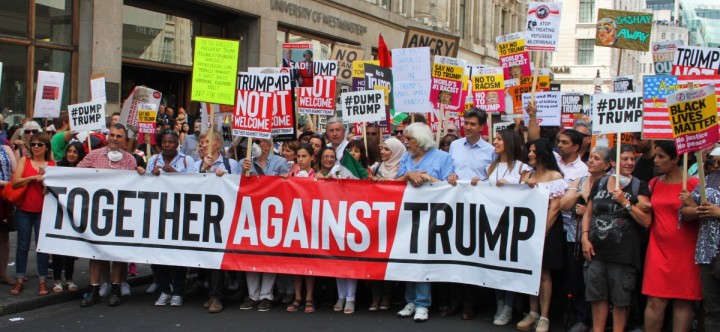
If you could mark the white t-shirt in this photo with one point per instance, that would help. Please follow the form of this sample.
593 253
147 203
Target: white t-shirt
513 175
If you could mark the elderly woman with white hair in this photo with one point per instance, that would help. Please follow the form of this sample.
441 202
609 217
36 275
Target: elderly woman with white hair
22 147
423 162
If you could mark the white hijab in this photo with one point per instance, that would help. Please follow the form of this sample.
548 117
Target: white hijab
389 168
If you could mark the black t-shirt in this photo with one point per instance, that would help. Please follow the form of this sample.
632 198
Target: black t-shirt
615 235
645 168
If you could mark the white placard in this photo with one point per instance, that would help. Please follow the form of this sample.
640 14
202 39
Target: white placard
411 80
97 89
87 116
548 107
617 112
543 26
48 95
363 106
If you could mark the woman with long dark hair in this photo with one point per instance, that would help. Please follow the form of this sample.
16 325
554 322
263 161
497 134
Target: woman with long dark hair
74 153
546 172
507 168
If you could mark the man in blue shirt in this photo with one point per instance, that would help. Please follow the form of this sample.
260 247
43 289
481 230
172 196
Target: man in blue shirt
471 154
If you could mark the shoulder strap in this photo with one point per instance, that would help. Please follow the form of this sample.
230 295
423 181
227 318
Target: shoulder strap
257 168
226 162
635 186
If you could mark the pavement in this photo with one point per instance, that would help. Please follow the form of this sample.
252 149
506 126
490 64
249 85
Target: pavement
29 300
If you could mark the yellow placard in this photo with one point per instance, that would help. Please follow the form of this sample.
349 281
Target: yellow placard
358 67
693 116
215 70
488 82
147 116
511 47
448 71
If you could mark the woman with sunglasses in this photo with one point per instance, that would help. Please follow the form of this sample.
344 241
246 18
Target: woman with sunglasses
707 216
21 145
30 172
445 142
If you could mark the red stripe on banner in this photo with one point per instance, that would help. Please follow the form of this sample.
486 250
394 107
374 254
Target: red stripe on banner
308 227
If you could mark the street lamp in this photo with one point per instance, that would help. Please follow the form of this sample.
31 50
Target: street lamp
598 81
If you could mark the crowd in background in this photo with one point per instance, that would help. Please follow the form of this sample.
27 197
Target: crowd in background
627 248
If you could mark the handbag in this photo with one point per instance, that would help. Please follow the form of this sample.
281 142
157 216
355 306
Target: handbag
14 195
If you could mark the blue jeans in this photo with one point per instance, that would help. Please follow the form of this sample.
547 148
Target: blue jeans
418 293
26 221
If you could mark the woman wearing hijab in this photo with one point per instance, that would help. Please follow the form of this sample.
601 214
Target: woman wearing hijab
391 152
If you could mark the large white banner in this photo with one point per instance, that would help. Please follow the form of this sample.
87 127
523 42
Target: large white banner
483 235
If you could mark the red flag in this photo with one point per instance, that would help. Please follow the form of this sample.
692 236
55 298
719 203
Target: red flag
384 53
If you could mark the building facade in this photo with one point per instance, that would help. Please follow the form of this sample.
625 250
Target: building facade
577 61
150 42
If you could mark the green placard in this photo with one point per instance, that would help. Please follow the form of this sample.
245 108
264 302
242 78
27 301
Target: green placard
215 70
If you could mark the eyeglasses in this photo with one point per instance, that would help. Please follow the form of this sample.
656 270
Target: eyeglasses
37 144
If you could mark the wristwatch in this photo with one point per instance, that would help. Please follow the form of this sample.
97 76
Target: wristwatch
628 207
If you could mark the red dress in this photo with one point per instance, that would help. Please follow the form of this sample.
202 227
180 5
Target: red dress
670 269
34 197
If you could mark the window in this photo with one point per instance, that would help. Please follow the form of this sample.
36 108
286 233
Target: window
662 35
155 36
587 11
586 51
49 45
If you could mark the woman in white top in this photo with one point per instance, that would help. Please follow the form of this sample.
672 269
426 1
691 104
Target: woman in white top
506 168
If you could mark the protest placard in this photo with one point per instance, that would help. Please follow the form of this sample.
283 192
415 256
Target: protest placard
223 123
1 72
293 60
87 116
363 106
447 81
345 55
129 111
147 118
501 126
514 58
664 55
571 104
617 112
437 43
279 84
381 78
693 114
320 97
515 96
622 84
358 73
214 71
97 88
488 89
656 120
48 95
548 108
691 60
543 26
623 29
254 106
411 85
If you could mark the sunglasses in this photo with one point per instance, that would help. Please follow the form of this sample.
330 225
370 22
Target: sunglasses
714 163
34 131
37 144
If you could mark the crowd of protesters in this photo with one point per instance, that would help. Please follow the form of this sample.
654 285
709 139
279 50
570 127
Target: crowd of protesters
626 247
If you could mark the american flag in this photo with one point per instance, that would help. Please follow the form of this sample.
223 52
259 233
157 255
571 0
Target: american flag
656 119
